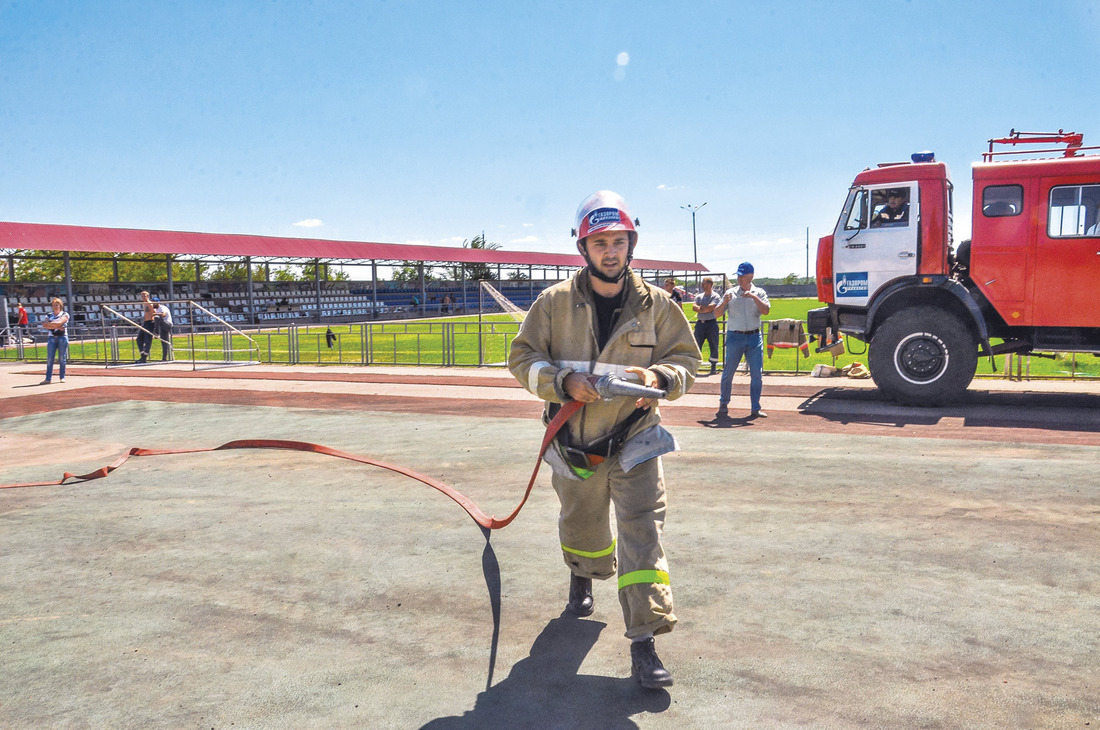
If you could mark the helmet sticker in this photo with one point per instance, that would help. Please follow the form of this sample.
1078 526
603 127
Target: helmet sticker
603 217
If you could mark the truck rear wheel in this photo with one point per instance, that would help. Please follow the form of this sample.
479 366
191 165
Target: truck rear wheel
923 357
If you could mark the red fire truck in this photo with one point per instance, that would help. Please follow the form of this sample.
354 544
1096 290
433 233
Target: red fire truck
1028 279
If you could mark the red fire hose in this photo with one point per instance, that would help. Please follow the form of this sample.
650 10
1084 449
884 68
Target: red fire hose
492 523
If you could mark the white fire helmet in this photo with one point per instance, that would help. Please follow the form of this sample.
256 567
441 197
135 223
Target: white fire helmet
604 211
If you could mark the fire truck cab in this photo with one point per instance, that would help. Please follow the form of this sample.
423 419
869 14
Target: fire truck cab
1027 279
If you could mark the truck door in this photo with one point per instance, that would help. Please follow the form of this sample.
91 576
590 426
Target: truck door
1067 256
875 240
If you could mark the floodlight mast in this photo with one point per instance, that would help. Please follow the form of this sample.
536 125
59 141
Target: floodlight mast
694 244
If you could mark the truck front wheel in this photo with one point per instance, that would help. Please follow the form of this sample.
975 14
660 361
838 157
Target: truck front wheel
923 357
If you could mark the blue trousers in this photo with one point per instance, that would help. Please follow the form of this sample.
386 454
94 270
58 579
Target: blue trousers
145 337
706 330
56 347
751 347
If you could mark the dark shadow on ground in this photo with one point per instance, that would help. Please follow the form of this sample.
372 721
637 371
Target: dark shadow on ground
491 569
977 408
545 691
728 422
859 405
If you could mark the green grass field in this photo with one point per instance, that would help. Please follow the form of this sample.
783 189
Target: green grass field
455 341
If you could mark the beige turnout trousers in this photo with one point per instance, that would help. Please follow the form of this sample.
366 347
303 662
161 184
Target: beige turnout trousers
590 550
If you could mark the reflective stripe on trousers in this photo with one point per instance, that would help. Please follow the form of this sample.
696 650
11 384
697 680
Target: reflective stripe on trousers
588 548
643 576
597 554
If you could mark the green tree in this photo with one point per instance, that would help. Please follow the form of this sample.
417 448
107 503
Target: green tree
285 273
234 271
53 269
409 273
307 273
85 267
475 272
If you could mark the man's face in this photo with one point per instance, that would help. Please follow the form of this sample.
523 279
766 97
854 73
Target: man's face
894 201
744 281
608 251
707 286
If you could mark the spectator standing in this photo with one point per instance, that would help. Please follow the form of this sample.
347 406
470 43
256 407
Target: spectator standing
57 344
744 304
163 321
24 320
706 322
607 319
148 327
673 291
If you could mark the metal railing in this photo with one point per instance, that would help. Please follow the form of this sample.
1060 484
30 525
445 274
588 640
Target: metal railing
431 343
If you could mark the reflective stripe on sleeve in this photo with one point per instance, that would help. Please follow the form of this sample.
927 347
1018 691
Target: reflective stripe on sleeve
597 368
533 375
643 576
586 554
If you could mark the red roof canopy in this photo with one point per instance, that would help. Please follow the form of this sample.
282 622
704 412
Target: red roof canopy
48 237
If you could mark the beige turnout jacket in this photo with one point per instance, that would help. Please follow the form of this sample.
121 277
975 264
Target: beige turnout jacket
558 337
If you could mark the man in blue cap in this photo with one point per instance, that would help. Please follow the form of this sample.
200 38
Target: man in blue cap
744 305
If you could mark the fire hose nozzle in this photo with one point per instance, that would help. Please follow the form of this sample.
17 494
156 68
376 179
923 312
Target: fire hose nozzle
609 386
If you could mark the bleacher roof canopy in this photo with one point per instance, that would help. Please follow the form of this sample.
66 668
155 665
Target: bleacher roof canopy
48 237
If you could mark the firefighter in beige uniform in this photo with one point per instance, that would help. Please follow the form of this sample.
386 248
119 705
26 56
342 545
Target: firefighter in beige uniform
607 320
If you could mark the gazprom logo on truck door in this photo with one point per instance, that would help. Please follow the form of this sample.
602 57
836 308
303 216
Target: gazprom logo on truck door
852 284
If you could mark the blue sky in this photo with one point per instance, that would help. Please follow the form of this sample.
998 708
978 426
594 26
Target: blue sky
432 122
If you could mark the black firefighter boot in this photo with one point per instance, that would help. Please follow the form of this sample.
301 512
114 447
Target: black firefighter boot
580 595
646 667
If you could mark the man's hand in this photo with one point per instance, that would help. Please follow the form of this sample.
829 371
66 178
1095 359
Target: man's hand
579 387
649 380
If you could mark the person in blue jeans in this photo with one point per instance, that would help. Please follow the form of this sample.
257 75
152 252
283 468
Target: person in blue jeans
743 304
57 344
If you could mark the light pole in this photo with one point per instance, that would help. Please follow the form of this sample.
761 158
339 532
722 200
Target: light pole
694 246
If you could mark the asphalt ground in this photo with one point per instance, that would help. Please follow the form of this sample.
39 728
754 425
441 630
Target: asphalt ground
843 563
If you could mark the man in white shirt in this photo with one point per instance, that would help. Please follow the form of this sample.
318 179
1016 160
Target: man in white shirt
744 304
163 323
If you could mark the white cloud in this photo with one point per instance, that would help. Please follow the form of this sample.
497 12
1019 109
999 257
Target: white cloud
662 186
525 239
310 223
621 62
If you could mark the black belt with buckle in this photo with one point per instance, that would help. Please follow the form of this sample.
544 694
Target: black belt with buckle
746 332
602 449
